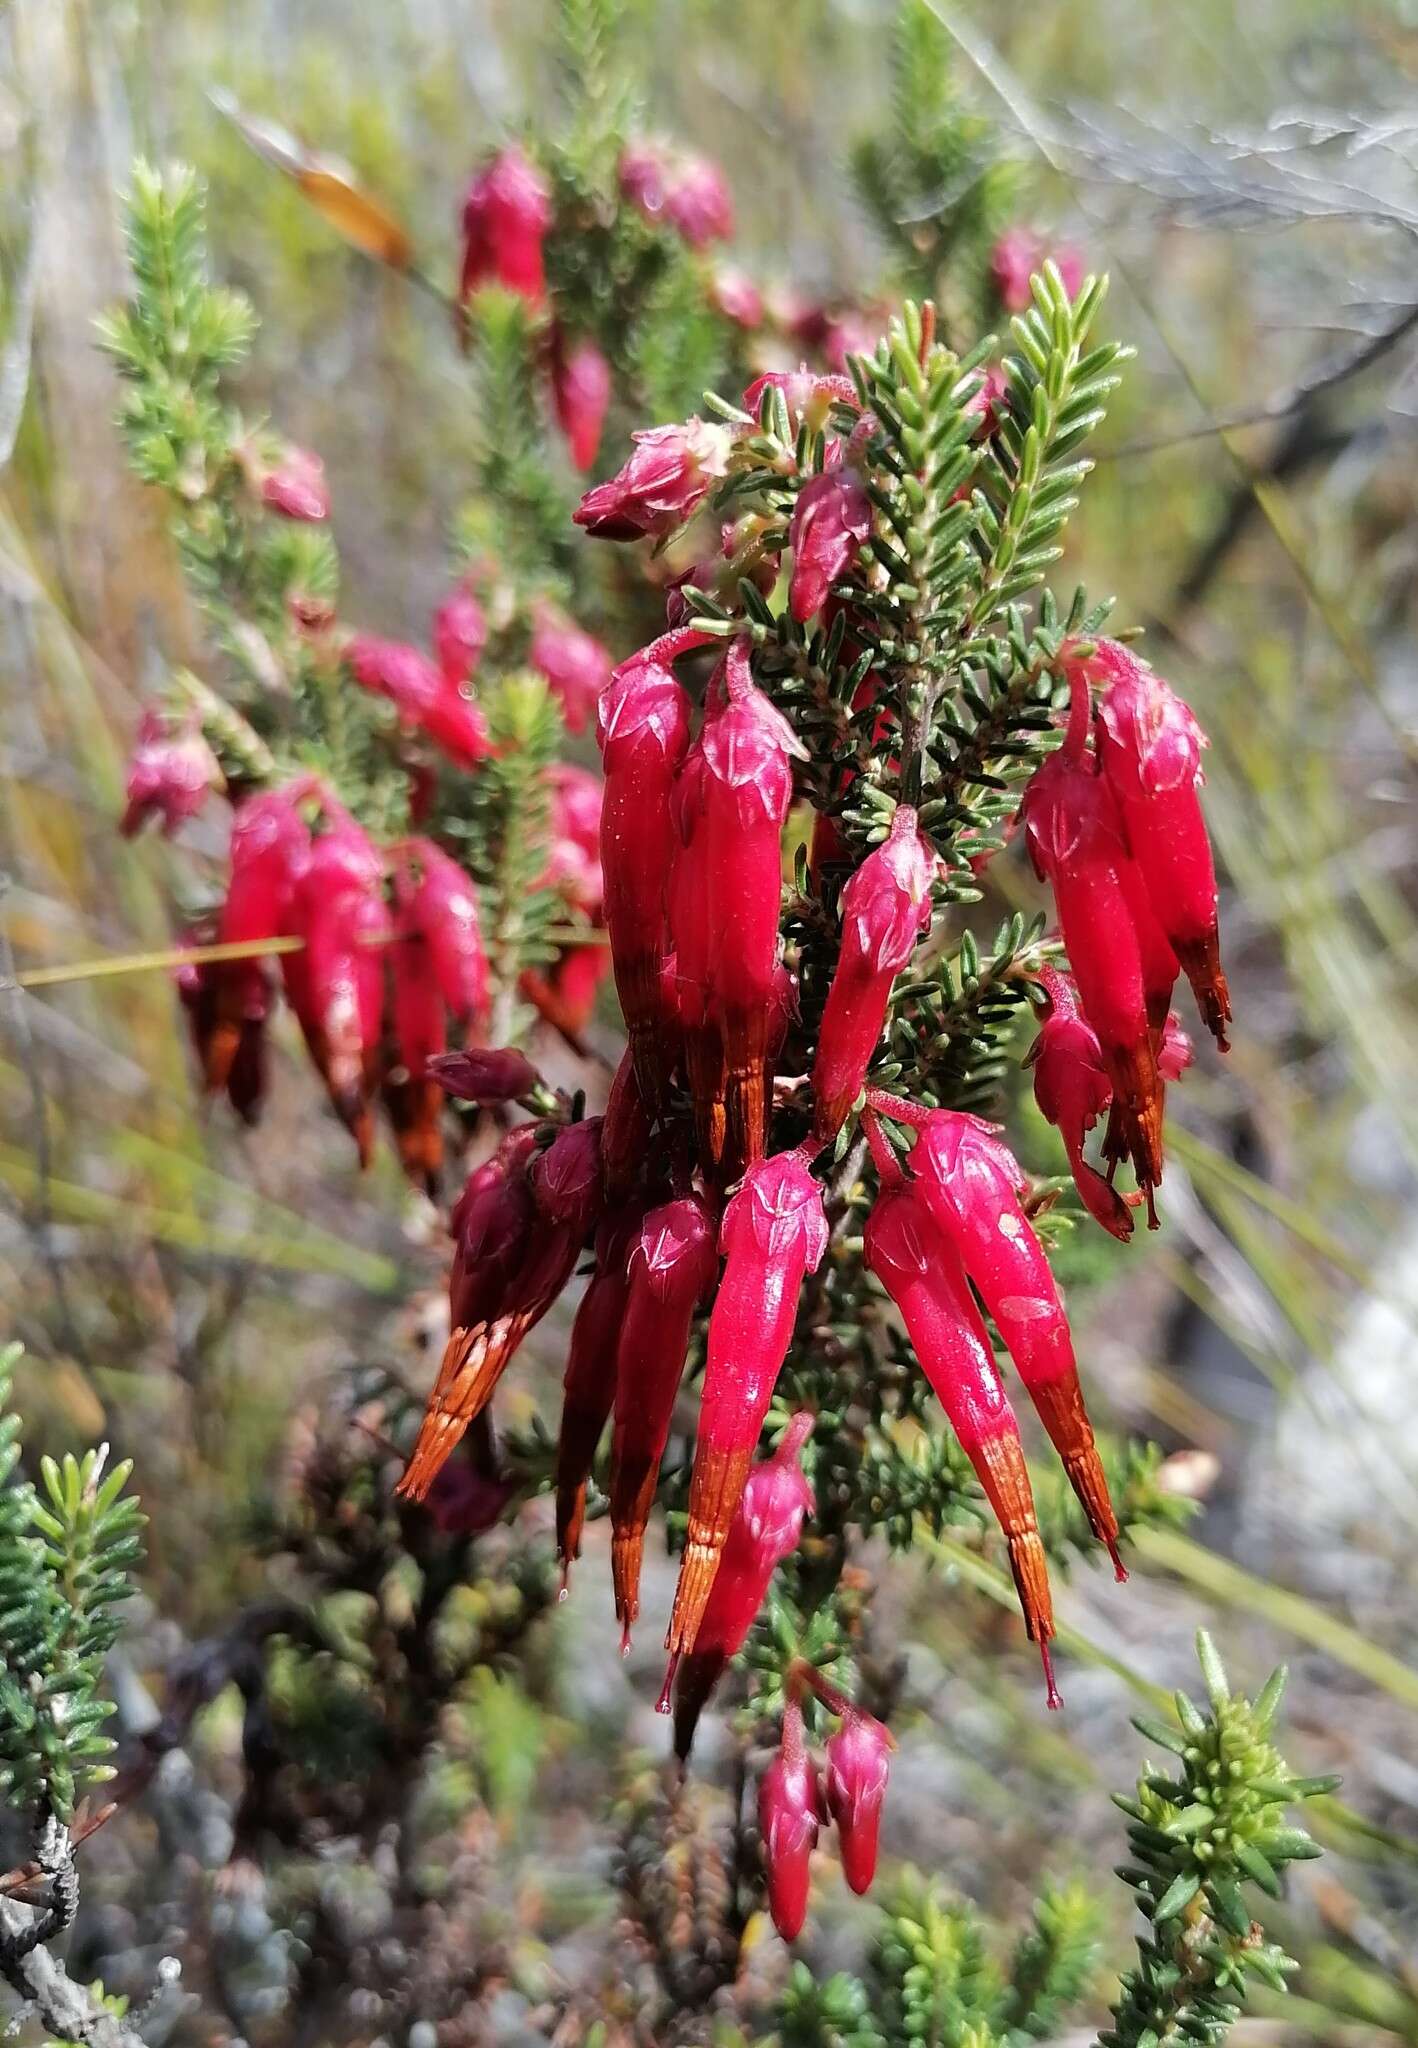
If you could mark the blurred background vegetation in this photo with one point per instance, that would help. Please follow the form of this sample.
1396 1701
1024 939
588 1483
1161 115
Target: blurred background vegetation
1250 180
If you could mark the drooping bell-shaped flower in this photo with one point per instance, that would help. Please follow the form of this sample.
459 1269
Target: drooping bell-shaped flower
566 994
831 522
1151 743
885 907
766 1526
773 1233
625 1131
858 1763
199 987
442 906
789 1816
1076 841
581 393
735 295
973 1183
643 726
920 1268
493 1313
172 773
737 790
505 219
270 844
666 478
589 1387
425 697
489 1225
1072 1089
294 485
671 1266
574 862
335 984
459 636
574 663
411 1094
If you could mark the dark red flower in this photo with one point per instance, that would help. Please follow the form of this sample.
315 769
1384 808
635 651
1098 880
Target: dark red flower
505 219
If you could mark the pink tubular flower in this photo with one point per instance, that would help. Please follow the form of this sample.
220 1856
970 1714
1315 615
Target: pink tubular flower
858 1761
642 173
973 1183
295 486
730 804
789 1815
1018 254
581 393
533 1224
412 1095
625 1133
426 697
831 523
485 1075
885 907
1072 1089
505 219
672 1263
766 1526
574 865
1075 838
270 844
172 773
921 1270
1151 745
459 636
737 297
773 1233
668 475
590 1382
441 905
642 723
199 988
574 663
698 202
808 394
335 985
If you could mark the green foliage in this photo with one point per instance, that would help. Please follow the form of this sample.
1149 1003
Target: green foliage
1199 1831
67 1552
932 179
520 514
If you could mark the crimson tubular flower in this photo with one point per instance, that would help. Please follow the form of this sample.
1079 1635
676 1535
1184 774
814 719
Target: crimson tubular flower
858 1762
671 1268
731 801
589 1388
581 392
665 480
920 1268
1076 841
831 522
485 1074
1072 1089
789 1816
295 486
172 773
502 1287
270 844
459 636
642 723
774 1232
766 1526
973 1183
505 219
574 663
885 907
426 696
1151 745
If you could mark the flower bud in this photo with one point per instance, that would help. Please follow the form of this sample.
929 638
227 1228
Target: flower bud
737 297
766 1526
773 1233
698 202
831 523
574 663
667 477
1151 744
505 219
442 904
789 1815
485 1075
855 1784
459 636
172 773
581 393
885 907
295 486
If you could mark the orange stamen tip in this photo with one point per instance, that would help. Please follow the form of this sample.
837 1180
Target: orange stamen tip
1053 1697
662 1704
